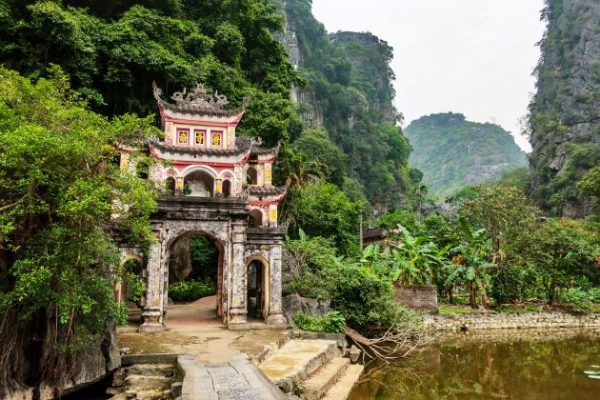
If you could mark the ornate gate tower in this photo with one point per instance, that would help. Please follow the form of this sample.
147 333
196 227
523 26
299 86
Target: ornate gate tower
217 185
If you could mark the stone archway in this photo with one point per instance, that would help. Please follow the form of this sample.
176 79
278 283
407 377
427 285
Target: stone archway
230 234
181 264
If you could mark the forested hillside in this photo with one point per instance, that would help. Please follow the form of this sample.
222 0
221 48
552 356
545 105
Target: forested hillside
350 94
565 112
453 152
113 50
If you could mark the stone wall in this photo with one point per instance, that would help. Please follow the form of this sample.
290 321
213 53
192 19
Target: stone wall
417 297
501 321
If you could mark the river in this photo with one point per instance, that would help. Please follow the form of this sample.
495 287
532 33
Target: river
469 368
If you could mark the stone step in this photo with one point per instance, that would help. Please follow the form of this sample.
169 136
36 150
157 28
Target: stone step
342 389
151 395
152 369
321 381
296 360
147 383
142 395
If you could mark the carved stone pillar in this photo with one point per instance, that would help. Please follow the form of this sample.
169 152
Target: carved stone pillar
275 307
238 310
153 304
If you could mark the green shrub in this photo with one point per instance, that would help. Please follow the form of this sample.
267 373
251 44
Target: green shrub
121 314
594 294
331 322
191 290
364 295
579 299
309 284
135 287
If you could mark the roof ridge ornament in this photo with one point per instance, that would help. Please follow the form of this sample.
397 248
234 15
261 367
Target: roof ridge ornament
198 99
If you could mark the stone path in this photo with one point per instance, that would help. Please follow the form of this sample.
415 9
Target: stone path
234 380
194 329
215 362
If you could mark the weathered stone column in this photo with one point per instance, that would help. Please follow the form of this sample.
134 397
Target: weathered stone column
275 307
238 310
152 312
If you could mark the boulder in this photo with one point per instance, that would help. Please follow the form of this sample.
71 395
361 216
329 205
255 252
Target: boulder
94 364
294 303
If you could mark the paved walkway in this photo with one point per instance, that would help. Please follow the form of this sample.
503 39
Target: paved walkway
194 329
237 379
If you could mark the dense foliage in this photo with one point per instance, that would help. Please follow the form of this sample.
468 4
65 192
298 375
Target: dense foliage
453 152
499 250
114 50
62 196
331 322
359 287
564 115
191 290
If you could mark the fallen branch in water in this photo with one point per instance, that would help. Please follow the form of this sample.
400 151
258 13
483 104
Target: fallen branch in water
392 345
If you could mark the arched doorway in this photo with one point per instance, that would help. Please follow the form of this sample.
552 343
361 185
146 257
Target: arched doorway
258 289
227 188
195 277
170 186
256 218
252 176
198 184
131 288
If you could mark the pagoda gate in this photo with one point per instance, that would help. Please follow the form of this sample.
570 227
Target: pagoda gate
217 185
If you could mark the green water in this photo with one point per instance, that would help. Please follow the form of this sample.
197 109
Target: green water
519 370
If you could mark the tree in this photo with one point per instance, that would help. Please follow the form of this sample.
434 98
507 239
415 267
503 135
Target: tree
504 213
564 251
322 209
470 265
589 186
62 197
114 51
323 157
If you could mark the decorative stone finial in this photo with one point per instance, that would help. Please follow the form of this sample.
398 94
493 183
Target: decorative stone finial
198 98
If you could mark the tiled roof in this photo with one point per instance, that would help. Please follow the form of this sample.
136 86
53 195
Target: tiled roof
241 146
193 109
269 190
260 151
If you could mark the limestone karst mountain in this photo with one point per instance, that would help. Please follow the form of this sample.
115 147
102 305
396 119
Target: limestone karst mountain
565 112
453 152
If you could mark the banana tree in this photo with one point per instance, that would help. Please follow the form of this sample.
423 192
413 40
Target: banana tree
417 259
470 265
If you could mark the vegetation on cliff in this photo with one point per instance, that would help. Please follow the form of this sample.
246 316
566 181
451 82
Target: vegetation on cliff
564 115
350 94
453 152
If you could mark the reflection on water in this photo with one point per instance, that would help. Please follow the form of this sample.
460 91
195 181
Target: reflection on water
519 370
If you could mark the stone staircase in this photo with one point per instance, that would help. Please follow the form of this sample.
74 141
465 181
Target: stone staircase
143 382
314 369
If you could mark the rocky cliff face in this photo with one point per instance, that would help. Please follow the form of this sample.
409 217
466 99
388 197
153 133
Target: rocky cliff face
94 364
369 57
350 94
565 112
453 153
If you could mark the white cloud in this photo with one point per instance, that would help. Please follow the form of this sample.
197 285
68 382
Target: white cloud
469 56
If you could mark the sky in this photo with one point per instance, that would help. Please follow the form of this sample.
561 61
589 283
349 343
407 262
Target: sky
470 56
